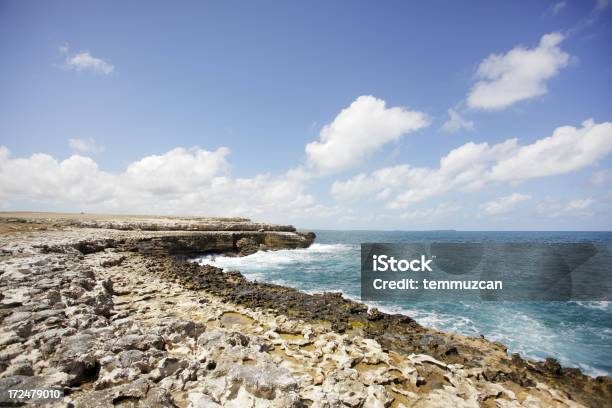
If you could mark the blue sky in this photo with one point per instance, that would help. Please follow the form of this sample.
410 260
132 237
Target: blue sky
242 88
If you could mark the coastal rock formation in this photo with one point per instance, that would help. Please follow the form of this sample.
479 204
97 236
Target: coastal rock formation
110 313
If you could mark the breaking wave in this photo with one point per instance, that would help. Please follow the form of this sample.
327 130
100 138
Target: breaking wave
266 260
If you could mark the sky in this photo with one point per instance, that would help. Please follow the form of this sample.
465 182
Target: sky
490 115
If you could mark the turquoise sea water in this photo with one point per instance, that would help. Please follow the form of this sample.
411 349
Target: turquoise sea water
578 334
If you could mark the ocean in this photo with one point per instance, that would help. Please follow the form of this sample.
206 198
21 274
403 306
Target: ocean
578 334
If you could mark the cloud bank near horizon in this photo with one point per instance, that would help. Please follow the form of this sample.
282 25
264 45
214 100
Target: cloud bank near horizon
181 181
199 181
471 166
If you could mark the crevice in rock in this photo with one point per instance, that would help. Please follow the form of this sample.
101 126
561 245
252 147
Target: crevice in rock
89 375
124 398
87 248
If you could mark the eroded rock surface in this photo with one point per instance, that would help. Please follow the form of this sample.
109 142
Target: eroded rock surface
115 317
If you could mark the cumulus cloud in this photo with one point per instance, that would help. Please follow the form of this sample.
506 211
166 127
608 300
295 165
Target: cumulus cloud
456 122
505 204
568 149
402 185
178 171
520 74
42 178
181 181
358 130
84 61
84 145
472 166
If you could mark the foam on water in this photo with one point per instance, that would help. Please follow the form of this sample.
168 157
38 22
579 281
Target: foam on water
278 259
600 305
578 334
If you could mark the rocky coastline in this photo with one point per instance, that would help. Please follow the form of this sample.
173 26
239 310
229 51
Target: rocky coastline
109 310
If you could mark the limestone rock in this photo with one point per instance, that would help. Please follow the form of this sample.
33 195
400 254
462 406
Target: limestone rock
109 310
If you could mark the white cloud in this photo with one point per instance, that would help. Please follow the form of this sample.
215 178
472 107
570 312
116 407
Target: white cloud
472 166
359 130
181 181
602 4
557 7
402 185
384 181
456 122
568 149
505 204
602 177
553 208
42 178
520 74
580 204
462 168
431 213
84 145
84 61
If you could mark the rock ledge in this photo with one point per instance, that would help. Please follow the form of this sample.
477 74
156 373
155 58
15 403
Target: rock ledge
106 309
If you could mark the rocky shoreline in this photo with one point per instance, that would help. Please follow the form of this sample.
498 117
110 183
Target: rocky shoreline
109 310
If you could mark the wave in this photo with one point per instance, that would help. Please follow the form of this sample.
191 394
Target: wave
595 305
279 259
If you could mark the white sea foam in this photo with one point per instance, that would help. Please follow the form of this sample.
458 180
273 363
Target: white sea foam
277 259
592 371
597 305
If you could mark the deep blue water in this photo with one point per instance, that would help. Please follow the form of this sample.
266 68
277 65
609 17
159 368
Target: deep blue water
578 334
